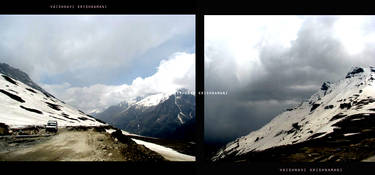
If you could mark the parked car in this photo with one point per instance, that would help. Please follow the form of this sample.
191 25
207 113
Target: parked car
52 126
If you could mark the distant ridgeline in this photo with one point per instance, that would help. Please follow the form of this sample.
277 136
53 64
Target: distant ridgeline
170 116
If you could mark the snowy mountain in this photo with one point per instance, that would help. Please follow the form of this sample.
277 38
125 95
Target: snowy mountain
27 104
163 115
336 112
21 76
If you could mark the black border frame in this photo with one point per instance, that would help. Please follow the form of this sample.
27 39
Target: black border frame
199 9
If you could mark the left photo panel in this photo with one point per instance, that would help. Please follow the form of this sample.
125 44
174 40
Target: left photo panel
97 88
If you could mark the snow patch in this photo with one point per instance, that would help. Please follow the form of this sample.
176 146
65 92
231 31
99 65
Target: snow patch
110 131
167 153
349 134
179 118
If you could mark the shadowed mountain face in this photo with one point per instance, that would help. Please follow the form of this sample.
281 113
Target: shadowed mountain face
20 76
172 116
335 124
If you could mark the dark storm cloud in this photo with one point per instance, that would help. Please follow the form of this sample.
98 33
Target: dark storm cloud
283 77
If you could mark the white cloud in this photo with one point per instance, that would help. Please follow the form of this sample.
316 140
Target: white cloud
352 31
176 72
240 37
56 44
307 87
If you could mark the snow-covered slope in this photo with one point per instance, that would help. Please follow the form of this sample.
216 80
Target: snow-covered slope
152 100
167 153
313 118
22 105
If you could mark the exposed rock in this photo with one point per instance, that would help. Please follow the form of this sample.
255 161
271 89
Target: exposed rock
326 85
355 70
12 96
345 105
314 106
31 110
4 129
9 80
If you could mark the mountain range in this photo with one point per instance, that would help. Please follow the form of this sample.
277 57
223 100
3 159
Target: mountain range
162 115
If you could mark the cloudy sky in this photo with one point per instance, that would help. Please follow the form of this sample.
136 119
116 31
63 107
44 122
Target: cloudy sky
93 61
270 63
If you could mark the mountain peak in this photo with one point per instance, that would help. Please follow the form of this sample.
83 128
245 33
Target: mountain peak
176 113
153 100
359 70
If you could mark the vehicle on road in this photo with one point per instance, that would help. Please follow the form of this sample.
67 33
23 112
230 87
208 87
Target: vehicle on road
52 126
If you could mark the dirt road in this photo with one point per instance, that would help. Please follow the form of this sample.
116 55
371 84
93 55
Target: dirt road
71 145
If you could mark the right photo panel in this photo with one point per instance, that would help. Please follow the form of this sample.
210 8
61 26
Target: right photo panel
289 88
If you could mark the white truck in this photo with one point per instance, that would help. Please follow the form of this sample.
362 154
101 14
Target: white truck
52 126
